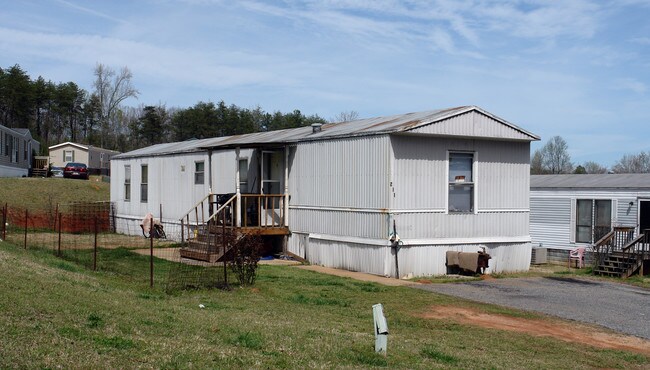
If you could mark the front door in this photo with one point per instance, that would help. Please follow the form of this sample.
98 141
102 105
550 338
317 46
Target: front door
644 215
273 186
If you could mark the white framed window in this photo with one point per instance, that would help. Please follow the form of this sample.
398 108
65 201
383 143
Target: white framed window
144 183
68 156
199 172
593 219
461 182
127 183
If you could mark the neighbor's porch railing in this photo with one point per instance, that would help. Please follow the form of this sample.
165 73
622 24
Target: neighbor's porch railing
611 242
637 250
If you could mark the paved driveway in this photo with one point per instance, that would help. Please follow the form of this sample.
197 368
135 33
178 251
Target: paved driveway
623 308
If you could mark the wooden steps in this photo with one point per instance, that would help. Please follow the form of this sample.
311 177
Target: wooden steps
618 265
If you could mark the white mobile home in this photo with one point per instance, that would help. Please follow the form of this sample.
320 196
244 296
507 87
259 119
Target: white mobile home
453 179
569 211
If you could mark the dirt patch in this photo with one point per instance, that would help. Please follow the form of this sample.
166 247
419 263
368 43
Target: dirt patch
568 332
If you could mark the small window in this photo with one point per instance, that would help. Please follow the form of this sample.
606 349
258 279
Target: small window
243 175
461 182
127 183
68 156
144 182
199 172
25 150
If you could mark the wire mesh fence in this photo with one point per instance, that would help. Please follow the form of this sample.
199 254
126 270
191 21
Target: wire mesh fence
91 235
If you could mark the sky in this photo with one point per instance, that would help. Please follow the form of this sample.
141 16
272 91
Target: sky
579 69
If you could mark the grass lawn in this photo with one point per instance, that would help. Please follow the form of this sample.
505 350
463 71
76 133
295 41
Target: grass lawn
39 194
58 314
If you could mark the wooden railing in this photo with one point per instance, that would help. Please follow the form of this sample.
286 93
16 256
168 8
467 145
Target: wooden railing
195 218
249 210
613 241
637 250
263 210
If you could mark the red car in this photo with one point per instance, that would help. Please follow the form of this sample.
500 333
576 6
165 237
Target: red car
74 170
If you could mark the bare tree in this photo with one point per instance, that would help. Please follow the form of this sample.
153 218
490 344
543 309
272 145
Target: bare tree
633 163
111 89
553 157
593 167
345 116
536 167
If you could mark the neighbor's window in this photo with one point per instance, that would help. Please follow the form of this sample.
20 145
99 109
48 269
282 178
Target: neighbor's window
593 219
144 181
25 150
199 172
68 156
6 144
127 183
461 182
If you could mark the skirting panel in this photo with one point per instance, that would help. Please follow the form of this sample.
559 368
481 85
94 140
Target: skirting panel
421 260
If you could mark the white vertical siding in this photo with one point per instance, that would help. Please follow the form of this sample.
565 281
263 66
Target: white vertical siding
224 169
420 260
170 184
340 222
351 173
473 124
463 225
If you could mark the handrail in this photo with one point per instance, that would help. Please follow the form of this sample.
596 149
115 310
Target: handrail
610 242
223 206
255 210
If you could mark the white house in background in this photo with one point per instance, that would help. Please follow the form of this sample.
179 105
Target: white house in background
16 148
569 211
452 179
97 159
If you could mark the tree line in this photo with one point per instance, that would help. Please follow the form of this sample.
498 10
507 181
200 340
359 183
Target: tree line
554 158
59 112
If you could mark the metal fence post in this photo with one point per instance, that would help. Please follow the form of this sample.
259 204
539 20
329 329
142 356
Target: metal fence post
151 257
223 243
95 247
60 218
26 216
4 222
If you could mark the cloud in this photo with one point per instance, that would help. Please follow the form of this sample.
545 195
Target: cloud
631 85
90 11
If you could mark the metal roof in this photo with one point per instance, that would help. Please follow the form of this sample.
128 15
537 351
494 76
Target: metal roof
362 127
594 181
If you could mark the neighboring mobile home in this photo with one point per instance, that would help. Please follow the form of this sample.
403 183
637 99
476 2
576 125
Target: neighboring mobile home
569 211
16 151
97 159
453 179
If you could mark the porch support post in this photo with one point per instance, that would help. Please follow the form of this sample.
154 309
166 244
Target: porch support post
286 186
238 192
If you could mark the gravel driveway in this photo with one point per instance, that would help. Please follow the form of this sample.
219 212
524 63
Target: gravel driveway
620 307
